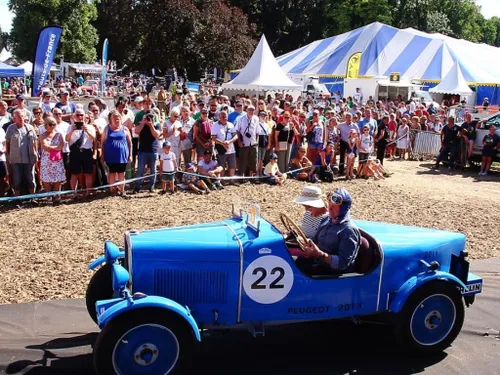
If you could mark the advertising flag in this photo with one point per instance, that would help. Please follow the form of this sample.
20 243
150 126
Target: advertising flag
104 64
48 39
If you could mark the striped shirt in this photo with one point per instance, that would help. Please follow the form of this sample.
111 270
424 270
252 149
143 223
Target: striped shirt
310 224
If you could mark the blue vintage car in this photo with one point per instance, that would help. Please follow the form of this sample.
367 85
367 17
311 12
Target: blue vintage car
156 298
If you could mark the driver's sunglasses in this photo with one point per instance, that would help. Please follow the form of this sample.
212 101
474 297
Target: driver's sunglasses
335 198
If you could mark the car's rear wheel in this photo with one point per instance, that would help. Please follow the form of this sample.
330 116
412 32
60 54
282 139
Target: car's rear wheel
144 341
100 288
431 318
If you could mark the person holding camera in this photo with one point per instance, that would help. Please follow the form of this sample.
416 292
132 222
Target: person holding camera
116 151
80 138
148 132
248 142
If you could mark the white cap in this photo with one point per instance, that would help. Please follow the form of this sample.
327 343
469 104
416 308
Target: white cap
139 99
311 196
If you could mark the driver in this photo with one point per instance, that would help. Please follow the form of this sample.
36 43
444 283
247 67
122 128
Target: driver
334 247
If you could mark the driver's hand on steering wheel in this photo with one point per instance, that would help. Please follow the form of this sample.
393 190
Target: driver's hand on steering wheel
312 250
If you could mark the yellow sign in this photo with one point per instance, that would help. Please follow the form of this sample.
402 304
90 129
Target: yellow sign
394 77
353 65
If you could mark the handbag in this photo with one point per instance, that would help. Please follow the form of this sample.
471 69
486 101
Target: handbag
55 155
221 150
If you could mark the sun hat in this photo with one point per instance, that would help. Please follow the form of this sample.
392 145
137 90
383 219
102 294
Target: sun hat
311 196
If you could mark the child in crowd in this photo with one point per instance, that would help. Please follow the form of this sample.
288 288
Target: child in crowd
374 169
365 148
194 183
168 166
274 176
352 151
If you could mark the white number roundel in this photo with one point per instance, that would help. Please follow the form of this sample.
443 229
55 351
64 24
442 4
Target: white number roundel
268 279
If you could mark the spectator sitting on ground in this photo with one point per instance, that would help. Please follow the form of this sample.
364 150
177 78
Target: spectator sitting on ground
194 183
301 161
168 167
211 169
373 168
272 172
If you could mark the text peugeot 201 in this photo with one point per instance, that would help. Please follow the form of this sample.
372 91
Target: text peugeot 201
156 298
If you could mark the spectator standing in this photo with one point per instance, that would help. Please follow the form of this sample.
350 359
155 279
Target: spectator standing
172 132
402 138
62 128
168 167
315 132
148 132
284 132
381 138
3 162
22 152
345 129
5 117
352 150
67 108
224 137
46 104
247 129
449 142
491 143
264 133
52 172
202 133
187 123
80 138
116 151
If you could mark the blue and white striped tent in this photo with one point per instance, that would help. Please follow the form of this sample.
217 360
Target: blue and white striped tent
385 49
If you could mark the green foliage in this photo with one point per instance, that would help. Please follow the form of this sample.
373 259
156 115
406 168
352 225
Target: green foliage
79 37
3 39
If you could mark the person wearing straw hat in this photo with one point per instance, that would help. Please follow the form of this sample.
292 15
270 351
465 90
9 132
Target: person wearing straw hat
315 210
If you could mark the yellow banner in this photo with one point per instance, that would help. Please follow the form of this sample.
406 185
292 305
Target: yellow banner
353 65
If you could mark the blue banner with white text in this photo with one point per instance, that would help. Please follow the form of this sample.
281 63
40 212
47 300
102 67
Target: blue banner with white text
104 64
48 39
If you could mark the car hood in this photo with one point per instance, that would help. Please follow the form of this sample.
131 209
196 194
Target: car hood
211 241
401 238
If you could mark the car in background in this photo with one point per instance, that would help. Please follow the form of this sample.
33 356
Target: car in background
156 298
91 86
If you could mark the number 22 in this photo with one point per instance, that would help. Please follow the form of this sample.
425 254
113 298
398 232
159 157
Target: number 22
263 274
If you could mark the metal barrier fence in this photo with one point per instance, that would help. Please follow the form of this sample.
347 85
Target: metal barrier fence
426 144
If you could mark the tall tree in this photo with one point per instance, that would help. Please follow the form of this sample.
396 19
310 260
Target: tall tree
3 39
79 37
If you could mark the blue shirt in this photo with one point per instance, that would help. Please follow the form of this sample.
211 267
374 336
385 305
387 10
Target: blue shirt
340 240
233 116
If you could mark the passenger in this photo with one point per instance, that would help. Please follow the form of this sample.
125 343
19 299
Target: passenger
315 210
335 245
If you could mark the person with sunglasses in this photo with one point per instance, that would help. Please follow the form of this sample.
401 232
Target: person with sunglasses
334 247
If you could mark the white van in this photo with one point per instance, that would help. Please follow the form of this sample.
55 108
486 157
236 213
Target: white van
310 85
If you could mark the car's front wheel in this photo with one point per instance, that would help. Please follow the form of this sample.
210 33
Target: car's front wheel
431 318
144 341
100 288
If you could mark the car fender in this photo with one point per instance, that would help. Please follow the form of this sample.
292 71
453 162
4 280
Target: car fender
415 282
119 306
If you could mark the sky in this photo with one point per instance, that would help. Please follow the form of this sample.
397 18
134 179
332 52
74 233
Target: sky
489 8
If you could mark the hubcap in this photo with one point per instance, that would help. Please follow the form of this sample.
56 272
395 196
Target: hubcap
433 319
146 354
146 349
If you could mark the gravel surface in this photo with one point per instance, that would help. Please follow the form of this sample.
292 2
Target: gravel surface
45 250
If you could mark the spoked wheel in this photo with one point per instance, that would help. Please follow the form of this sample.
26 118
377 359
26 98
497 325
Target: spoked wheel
431 318
144 341
294 229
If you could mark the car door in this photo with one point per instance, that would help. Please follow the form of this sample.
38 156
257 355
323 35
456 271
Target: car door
274 289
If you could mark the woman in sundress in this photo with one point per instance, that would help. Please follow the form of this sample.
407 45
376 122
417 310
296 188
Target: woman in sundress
52 172
402 138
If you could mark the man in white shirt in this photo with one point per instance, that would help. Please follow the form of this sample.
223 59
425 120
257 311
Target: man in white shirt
358 97
224 137
3 162
247 130
211 169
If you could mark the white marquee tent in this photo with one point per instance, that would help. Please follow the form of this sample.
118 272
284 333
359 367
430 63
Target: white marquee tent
28 68
453 83
5 55
262 73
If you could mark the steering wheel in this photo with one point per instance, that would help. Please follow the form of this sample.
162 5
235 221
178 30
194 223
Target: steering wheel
294 229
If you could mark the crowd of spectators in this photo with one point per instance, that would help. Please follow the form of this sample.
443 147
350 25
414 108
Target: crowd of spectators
194 140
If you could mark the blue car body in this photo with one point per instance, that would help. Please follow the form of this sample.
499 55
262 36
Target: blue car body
229 274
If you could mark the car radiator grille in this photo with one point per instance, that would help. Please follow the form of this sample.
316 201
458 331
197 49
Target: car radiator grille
189 287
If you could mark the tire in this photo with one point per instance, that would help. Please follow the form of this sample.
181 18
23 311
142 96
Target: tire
129 341
431 319
100 288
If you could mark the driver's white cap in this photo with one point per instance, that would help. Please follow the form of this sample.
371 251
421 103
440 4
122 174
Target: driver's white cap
311 196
